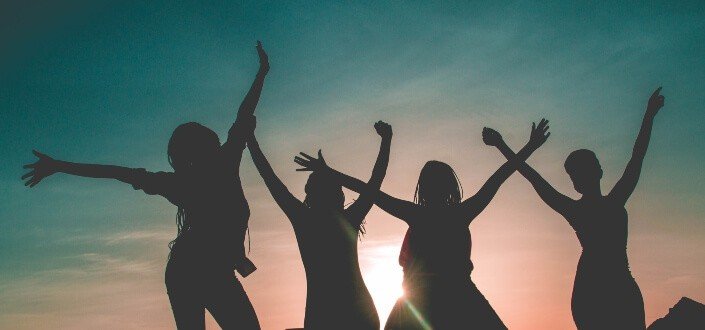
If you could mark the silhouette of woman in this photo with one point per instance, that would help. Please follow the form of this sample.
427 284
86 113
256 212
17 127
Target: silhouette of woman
439 293
212 215
605 295
327 235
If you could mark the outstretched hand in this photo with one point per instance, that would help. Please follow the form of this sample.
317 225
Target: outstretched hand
383 129
263 58
539 134
656 102
42 168
491 137
309 163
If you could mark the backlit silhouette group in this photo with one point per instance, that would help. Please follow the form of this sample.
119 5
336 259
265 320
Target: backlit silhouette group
213 214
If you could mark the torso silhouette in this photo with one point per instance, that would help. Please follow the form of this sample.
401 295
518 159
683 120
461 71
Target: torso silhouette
336 297
605 295
439 245
601 226
437 283
217 214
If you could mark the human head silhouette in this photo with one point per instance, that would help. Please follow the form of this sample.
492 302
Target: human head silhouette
438 185
192 148
584 170
323 192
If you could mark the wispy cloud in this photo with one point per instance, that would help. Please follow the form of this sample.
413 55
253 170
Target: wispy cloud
140 235
92 290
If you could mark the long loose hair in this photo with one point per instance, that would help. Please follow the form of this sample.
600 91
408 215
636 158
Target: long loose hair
438 183
187 148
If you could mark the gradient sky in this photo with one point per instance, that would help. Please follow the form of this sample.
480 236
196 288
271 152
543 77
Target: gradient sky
103 82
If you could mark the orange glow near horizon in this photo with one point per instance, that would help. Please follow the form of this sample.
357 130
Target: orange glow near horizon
104 82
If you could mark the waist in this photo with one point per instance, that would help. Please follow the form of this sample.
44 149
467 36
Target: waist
420 274
424 283
439 265
615 254
207 251
337 271
208 245
607 261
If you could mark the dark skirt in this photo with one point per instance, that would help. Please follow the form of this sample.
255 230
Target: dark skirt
433 302
606 296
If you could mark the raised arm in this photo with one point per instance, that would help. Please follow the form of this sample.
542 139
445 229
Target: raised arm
46 166
554 199
474 205
237 136
358 210
625 186
407 211
291 206
248 105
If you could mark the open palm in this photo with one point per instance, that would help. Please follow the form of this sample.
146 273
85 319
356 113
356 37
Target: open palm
309 163
539 133
42 168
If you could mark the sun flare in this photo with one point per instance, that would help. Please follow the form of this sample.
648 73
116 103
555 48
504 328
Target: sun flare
383 277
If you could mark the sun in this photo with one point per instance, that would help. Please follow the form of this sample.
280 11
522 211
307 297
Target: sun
383 277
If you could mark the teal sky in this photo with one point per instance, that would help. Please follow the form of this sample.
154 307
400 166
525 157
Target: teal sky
108 82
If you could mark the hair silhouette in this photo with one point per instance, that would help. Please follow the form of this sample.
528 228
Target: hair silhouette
436 252
212 217
327 235
438 185
605 294
192 147
322 191
584 170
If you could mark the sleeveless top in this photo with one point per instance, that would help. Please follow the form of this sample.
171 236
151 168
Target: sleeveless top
437 248
602 229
